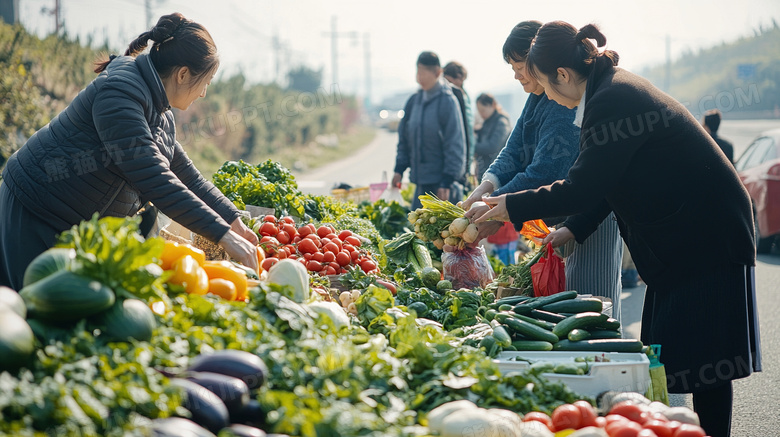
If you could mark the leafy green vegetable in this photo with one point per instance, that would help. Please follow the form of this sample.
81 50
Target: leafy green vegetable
390 218
112 251
373 302
269 184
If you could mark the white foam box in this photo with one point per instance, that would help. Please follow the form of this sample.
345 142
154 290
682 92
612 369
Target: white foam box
624 372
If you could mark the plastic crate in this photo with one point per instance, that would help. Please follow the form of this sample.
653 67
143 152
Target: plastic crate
624 372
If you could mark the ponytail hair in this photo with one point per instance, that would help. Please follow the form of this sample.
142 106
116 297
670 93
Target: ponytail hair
560 45
177 42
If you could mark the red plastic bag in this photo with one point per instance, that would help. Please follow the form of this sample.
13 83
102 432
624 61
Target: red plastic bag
548 274
467 268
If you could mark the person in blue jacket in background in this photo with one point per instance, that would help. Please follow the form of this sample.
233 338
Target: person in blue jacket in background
431 136
541 148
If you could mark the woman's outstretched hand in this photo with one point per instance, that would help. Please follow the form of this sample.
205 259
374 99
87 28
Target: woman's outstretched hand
240 249
243 230
497 210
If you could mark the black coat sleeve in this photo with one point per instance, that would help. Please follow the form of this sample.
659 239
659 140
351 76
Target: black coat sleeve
186 171
118 114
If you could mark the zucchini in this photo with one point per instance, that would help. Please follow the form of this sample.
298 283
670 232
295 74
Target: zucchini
547 316
575 306
540 323
604 333
502 316
530 330
611 323
523 309
553 298
129 319
505 307
578 335
532 345
511 348
490 345
568 369
601 345
491 314
65 296
502 336
512 300
581 320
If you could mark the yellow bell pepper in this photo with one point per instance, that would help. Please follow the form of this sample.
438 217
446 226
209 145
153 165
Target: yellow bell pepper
191 276
226 270
174 251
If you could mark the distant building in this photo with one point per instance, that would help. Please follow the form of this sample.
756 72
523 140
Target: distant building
9 11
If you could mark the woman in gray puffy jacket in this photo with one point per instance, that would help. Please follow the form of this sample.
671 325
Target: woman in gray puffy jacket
114 148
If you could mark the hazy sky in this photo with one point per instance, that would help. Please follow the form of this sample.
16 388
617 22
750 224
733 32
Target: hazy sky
470 32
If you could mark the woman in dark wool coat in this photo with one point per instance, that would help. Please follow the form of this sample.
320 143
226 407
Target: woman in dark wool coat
114 148
646 158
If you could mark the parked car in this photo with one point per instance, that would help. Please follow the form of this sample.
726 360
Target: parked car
759 169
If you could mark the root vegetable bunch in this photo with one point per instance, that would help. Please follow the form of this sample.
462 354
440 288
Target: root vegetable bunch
441 222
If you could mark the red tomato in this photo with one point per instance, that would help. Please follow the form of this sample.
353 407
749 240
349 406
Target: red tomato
289 220
268 263
290 229
313 266
318 256
315 239
647 433
648 417
348 247
268 228
281 253
353 240
343 258
290 249
337 242
331 271
307 246
588 413
335 265
387 285
624 428
323 231
269 218
566 417
331 247
325 240
368 266
329 257
293 256
343 270
661 429
307 256
331 236
297 239
629 410
614 418
304 231
601 422
354 255
686 430
269 241
344 234
283 237
538 416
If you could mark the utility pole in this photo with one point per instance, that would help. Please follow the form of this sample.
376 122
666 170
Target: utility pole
334 36
148 10
367 58
277 47
668 75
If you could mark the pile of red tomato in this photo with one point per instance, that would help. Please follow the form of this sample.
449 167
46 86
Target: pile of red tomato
323 250
626 419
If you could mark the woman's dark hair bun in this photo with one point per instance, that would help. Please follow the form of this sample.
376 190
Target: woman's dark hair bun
590 31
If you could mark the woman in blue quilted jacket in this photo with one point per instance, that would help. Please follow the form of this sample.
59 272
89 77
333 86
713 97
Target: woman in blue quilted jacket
114 148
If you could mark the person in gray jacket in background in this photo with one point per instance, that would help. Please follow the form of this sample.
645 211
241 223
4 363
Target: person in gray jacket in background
114 148
431 137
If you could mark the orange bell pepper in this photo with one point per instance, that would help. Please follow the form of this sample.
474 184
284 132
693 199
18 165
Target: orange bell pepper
173 251
226 270
187 273
223 288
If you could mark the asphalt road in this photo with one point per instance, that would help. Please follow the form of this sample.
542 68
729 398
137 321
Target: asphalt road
756 398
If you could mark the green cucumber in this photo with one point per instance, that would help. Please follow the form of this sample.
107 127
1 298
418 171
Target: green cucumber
540 323
530 330
611 323
557 297
502 316
604 333
568 369
511 348
490 314
601 345
578 335
547 316
532 345
523 308
489 343
581 320
512 300
575 306
502 336
505 307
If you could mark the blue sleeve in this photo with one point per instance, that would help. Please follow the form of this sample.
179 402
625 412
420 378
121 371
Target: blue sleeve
556 150
453 142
